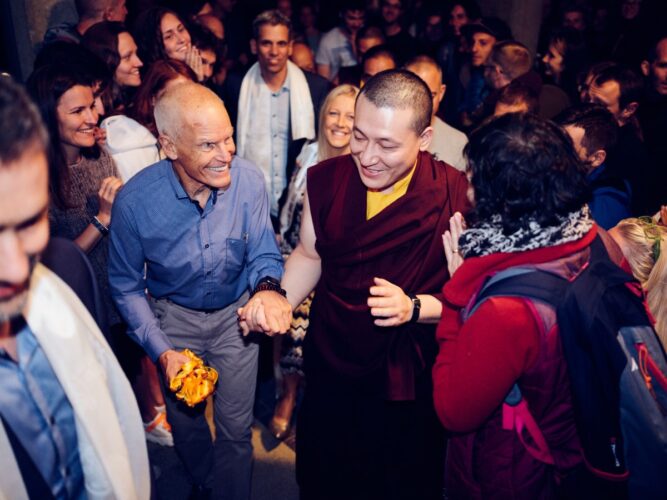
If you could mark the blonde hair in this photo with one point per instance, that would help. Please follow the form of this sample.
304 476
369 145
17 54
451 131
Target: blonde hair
643 241
324 149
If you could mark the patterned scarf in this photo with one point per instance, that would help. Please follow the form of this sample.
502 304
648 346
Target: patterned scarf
488 238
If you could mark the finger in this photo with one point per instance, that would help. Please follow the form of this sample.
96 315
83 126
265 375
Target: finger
382 282
240 312
381 291
384 312
386 322
245 330
382 301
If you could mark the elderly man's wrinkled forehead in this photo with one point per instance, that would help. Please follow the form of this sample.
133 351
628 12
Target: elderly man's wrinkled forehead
182 106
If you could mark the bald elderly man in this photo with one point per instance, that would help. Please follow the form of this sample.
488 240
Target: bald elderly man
199 223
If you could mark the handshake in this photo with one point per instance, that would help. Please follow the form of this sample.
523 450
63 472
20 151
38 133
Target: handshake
266 311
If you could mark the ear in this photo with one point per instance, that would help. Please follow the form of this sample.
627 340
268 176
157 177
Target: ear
629 110
443 91
290 48
253 46
425 138
168 147
597 158
645 66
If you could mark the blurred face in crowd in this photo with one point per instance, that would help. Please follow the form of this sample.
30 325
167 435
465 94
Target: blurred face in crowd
433 28
574 19
338 122
384 145
656 71
364 44
375 65
208 60
433 80
203 146
482 44
77 118
302 56
117 11
553 60
354 20
285 7
391 11
24 226
175 37
495 75
457 18
307 16
630 8
608 95
127 71
213 24
273 48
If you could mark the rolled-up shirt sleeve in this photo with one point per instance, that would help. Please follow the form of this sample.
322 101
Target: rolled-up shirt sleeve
128 285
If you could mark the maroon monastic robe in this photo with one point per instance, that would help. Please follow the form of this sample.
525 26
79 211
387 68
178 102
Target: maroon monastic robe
402 244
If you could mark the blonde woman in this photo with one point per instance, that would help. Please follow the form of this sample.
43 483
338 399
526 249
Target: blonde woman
335 130
644 246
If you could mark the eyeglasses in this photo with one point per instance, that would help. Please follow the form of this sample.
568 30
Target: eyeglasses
652 234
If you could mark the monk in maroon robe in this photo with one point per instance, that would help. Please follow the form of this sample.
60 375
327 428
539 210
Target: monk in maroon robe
372 250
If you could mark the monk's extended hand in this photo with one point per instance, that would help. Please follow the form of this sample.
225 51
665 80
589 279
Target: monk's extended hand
389 302
267 312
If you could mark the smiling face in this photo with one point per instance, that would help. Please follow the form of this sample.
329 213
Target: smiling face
127 71
482 44
77 118
24 226
175 37
338 122
202 147
273 47
384 146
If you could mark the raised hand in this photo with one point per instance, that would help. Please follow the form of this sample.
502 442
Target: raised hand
450 241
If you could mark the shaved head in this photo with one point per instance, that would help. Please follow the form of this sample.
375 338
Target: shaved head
181 106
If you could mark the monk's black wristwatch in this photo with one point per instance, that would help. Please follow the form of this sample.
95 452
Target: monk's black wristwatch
416 307
267 283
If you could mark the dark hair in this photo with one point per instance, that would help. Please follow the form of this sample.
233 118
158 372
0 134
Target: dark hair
516 92
203 39
273 17
352 5
20 122
600 127
159 74
524 169
102 40
147 33
46 86
401 89
514 58
652 47
629 83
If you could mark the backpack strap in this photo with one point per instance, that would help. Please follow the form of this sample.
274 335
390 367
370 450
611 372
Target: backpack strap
533 284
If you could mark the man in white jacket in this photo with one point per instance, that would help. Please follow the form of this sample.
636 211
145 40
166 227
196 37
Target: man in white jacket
69 424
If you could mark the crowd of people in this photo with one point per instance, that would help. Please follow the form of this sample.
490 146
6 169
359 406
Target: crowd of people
349 179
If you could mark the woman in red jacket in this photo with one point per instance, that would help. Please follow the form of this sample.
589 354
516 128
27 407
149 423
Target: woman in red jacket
529 193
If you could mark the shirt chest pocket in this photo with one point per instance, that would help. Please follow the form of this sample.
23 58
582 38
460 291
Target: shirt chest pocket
235 254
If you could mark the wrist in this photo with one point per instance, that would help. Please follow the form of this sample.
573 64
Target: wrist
104 218
416 308
268 283
100 225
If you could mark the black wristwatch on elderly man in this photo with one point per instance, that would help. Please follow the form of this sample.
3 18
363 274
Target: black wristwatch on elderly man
267 283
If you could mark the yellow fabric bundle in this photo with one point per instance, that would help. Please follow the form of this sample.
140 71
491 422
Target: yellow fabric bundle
194 382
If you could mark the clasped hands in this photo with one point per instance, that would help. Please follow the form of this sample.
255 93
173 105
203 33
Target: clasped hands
266 311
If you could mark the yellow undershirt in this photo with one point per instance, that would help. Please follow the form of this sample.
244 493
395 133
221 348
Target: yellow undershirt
377 201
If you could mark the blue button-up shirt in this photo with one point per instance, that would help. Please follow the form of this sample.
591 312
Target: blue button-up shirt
34 405
198 258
